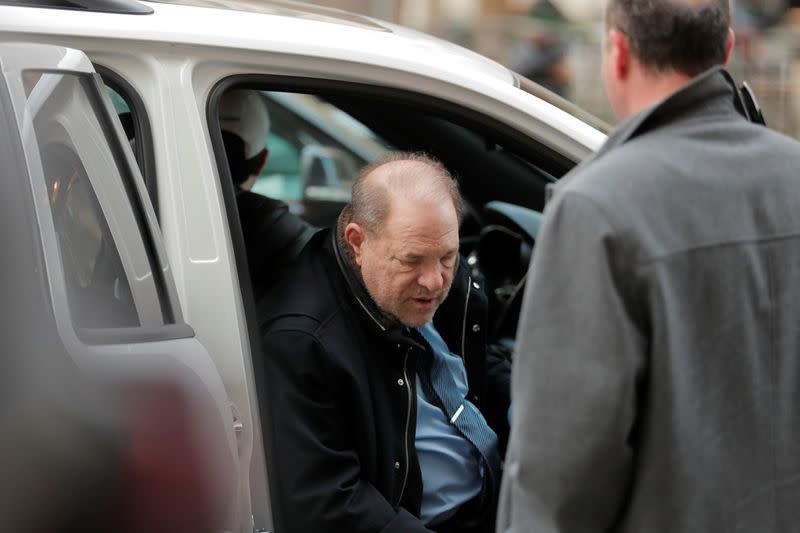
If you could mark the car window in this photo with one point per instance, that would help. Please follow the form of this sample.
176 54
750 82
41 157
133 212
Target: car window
318 140
315 151
107 271
124 113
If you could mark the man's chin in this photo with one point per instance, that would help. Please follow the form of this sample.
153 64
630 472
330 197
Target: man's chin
415 320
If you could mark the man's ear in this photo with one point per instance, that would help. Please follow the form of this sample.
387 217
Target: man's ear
729 45
620 53
355 235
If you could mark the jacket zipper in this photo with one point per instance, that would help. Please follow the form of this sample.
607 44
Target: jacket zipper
364 307
464 323
408 423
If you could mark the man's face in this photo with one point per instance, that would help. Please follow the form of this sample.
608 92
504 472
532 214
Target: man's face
408 263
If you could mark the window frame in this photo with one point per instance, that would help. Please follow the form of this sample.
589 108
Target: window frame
173 326
143 152
317 86
519 142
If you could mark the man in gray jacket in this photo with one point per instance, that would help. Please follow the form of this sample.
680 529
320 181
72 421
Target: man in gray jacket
656 385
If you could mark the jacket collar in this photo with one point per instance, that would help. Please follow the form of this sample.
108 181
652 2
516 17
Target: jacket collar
393 330
708 94
357 289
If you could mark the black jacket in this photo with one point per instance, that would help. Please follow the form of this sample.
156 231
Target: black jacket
273 237
342 400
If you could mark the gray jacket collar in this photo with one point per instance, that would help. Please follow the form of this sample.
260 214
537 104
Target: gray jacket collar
707 94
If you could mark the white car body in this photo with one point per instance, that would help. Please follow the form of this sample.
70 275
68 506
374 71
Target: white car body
174 57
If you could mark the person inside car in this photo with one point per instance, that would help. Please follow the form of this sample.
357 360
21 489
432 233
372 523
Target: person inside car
273 236
383 400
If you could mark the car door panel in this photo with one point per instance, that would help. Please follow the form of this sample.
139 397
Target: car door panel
113 297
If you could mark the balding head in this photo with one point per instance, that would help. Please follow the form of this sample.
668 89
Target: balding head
399 177
400 234
683 36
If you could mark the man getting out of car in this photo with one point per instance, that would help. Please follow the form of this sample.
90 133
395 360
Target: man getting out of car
377 370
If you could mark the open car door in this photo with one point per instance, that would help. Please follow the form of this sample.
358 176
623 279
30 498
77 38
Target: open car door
107 300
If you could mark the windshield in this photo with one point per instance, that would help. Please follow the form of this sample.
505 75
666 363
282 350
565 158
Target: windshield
552 98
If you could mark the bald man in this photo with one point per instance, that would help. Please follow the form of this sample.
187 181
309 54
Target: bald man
657 378
385 407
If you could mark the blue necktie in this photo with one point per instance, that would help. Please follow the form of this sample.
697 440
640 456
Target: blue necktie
439 385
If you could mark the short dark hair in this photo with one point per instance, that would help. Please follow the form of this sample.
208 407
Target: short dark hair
241 167
685 36
370 204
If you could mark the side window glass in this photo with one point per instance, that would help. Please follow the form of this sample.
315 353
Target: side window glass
98 291
106 267
314 152
125 115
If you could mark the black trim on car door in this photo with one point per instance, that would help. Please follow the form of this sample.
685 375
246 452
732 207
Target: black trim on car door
143 149
169 309
166 332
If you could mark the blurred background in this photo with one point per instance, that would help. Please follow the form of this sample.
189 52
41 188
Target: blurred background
556 43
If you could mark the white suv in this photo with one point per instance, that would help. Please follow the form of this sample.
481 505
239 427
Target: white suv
341 89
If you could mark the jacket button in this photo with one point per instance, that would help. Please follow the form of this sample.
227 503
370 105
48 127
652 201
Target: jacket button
397 465
401 382
476 328
475 284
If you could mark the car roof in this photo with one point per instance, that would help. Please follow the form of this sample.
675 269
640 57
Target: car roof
270 25
286 8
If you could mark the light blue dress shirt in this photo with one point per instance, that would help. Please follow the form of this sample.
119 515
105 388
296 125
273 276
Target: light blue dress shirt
452 469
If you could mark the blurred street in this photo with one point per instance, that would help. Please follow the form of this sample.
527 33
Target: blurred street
556 43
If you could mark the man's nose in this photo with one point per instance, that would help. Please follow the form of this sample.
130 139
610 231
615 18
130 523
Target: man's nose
432 278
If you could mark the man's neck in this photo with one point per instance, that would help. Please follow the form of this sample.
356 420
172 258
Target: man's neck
650 88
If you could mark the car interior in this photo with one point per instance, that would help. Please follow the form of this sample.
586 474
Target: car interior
502 175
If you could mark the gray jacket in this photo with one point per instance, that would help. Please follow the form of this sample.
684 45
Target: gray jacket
656 385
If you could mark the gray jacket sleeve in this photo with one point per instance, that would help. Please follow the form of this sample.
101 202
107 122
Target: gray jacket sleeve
574 380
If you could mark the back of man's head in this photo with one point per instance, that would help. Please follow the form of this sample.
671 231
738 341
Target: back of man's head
683 36
400 176
244 120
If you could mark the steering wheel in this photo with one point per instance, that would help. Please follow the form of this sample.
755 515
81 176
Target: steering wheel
503 256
